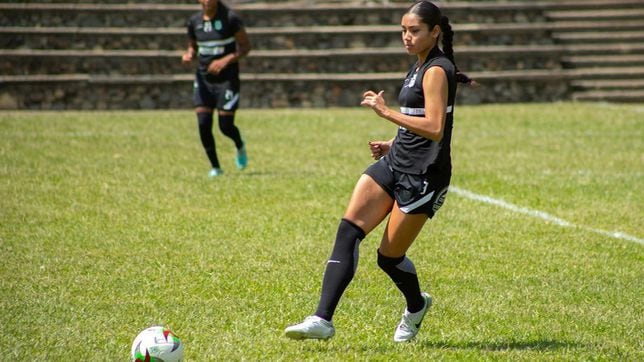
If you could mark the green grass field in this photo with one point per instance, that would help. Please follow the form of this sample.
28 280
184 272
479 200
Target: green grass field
108 225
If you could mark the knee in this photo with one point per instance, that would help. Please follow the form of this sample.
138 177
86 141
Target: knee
387 263
226 123
226 127
205 120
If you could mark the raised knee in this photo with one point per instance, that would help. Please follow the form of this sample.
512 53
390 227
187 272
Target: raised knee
387 263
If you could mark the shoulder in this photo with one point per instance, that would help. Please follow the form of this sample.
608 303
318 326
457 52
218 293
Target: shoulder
442 63
435 74
194 18
233 17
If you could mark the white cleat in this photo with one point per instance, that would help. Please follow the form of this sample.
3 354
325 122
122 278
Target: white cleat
313 327
410 323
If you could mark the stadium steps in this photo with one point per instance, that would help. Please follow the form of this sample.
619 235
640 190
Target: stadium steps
630 84
314 37
615 74
621 95
531 74
502 30
473 58
600 37
597 15
43 61
625 60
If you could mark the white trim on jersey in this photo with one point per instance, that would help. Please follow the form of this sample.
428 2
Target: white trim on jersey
214 47
412 111
213 43
420 111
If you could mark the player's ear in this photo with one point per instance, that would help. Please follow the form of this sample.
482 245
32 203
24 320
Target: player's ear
436 31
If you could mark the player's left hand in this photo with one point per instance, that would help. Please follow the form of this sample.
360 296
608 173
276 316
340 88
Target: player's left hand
216 66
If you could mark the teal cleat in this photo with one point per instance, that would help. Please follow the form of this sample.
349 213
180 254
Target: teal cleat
241 160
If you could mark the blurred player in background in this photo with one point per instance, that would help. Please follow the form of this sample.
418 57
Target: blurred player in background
217 38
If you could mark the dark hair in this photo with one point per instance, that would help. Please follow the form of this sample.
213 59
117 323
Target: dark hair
431 15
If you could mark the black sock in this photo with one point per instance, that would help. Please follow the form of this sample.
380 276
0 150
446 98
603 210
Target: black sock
228 128
207 139
340 268
402 271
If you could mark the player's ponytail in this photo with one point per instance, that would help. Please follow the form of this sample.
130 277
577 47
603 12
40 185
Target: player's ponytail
431 15
448 49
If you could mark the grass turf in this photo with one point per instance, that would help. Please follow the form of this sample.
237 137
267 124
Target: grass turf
108 225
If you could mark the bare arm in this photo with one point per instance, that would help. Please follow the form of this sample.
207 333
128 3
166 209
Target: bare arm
189 55
432 124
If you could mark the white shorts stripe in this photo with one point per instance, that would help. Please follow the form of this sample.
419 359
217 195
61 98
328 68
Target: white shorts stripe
416 204
229 105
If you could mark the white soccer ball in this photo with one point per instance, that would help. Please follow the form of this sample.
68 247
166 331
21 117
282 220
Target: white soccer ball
157 344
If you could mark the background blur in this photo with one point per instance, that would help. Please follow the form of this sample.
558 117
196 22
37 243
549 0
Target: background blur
111 54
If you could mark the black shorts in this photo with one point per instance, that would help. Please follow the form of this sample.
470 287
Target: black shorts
221 95
415 194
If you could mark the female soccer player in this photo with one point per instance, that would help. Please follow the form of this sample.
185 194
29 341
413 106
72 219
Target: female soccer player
408 181
217 36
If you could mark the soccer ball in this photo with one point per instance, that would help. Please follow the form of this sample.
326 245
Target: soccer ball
157 344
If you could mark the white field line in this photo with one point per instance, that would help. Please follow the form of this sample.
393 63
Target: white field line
541 215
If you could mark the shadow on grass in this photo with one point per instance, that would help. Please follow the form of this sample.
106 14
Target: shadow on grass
500 346
536 345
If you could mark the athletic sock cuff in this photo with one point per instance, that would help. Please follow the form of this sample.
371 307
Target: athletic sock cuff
344 223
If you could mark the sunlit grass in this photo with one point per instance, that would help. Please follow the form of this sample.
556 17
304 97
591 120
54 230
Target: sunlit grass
108 224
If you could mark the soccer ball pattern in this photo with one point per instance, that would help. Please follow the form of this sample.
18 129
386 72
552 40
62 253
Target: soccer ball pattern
157 344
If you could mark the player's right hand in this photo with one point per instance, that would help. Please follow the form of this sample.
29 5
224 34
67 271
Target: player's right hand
186 58
379 149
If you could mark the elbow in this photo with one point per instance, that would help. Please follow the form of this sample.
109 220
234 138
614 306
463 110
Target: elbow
434 134
436 137
245 49
435 129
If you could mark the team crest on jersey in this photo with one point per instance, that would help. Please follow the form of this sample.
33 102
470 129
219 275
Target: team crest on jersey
410 82
218 25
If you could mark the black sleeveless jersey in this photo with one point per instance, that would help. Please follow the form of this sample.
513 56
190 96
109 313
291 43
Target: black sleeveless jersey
215 38
414 154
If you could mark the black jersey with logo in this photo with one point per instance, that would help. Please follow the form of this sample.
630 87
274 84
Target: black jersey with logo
414 154
215 38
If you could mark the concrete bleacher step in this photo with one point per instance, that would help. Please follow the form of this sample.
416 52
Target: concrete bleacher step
83 91
621 96
530 74
312 37
391 59
296 13
604 60
262 38
609 84
259 14
43 61
600 37
597 15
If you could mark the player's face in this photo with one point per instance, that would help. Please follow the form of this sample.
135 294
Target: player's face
416 35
